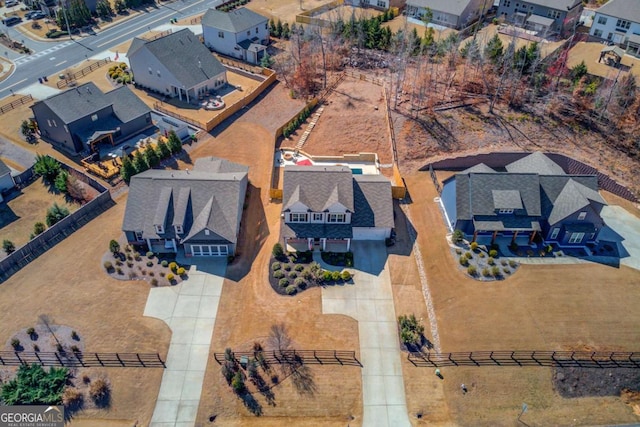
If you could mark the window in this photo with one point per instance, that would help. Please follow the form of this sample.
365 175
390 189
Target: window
505 211
179 229
382 3
554 233
221 34
581 216
256 30
602 20
249 33
94 117
206 232
597 33
553 14
336 217
622 24
609 36
159 228
507 3
576 237
298 217
150 71
318 217
138 235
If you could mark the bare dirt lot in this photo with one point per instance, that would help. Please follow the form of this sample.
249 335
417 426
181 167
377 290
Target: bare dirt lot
554 307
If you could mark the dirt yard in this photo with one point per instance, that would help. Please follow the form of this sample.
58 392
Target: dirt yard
353 121
346 12
555 307
68 284
590 53
285 10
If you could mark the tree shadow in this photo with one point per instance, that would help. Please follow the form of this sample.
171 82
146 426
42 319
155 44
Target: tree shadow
264 389
251 403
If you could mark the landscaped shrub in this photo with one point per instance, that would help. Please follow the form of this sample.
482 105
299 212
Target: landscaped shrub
31 332
119 271
173 266
457 236
512 263
181 271
503 262
75 349
490 261
75 336
227 371
108 266
287 267
36 348
411 329
300 282
346 275
486 272
506 270
35 386
473 246
293 274
458 251
298 267
154 282
290 290
149 263
471 270
276 266
307 274
469 255
15 343
129 264
463 261
164 263
99 391
326 275
335 276
278 274
137 256
283 283
238 383
493 253
170 277
71 397
277 250
149 254
481 254
495 271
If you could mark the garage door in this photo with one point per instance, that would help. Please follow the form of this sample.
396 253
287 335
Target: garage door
209 250
364 233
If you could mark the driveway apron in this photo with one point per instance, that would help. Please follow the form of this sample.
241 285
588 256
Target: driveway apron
370 301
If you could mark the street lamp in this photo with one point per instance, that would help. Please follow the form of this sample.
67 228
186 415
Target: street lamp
64 13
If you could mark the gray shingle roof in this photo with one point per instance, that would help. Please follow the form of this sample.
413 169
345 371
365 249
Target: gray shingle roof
126 105
454 7
4 169
479 168
573 196
236 21
206 198
624 9
317 187
373 202
555 4
535 162
507 199
188 60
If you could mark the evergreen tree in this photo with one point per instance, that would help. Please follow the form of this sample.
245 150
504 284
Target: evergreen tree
278 32
47 167
151 157
139 162
61 181
55 214
494 50
175 145
127 170
272 27
286 32
162 150
266 61
578 71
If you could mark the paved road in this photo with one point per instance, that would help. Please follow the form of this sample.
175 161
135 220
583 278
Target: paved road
622 225
16 153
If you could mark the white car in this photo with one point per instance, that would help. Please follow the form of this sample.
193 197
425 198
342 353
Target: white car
11 3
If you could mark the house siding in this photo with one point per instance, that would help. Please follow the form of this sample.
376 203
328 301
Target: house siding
228 45
471 13
52 129
6 182
592 217
609 31
563 24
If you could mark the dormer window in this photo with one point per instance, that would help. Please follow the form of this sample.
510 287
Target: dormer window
336 217
505 211
298 217
179 229
581 216
318 217
159 228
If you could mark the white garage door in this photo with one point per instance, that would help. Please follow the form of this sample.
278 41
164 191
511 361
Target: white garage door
209 250
364 233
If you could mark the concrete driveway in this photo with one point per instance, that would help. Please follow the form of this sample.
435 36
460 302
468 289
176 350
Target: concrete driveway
622 225
370 301
190 310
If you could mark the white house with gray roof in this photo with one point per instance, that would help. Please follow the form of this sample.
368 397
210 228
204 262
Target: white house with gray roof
176 65
330 205
618 21
197 210
6 180
240 33
534 199
449 13
547 17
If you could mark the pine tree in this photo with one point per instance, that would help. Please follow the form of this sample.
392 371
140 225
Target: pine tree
494 50
139 162
151 157
175 145
127 170
162 150
278 32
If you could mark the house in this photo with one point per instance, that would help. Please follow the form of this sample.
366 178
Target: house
6 180
618 21
198 211
240 33
331 204
456 14
79 118
176 65
547 17
379 4
534 198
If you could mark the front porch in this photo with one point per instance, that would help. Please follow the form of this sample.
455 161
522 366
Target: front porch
162 246
311 244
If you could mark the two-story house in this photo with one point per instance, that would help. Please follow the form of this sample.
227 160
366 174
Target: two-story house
6 180
547 17
198 211
618 21
453 14
240 33
330 204
176 65
79 118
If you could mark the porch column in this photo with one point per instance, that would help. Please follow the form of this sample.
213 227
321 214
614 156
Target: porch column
149 243
475 235
180 94
285 244
310 243
348 244
324 244
533 235
493 238
173 242
513 239
186 92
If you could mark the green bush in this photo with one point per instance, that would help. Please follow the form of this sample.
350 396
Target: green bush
290 290
506 270
471 270
149 263
335 276
512 263
35 386
457 236
299 267
495 271
181 271
293 274
469 255
278 274
149 254
481 254
326 275
154 282
108 266
411 329
493 253
307 274
503 262
346 275
463 261
300 282
277 250
473 246
486 272
31 331
173 266
276 266
283 283
490 261
170 276
287 267
164 263
15 343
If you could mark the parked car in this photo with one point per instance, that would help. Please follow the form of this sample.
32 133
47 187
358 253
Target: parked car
12 20
11 3
37 15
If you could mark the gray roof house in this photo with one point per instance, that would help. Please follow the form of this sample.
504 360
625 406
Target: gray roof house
547 17
176 65
534 199
456 14
618 21
240 33
6 180
79 118
329 204
198 210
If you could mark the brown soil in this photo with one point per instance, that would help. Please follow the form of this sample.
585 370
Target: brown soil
580 382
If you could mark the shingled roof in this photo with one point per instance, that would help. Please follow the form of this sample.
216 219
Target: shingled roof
564 195
623 9
206 198
535 162
4 169
188 60
373 201
555 4
453 7
235 21
317 187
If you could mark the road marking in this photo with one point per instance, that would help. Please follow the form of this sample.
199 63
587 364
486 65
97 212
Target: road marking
15 84
60 63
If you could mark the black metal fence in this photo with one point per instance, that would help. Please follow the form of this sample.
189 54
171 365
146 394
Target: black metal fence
306 357
581 359
82 360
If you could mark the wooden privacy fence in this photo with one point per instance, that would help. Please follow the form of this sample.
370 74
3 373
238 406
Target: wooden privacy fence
306 357
13 104
82 360
81 73
580 359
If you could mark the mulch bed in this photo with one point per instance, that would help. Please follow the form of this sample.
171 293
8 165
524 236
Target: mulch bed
586 382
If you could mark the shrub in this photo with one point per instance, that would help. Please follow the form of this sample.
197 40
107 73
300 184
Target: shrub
8 246
299 267
335 276
31 331
278 274
469 255
173 266
512 263
300 283
506 270
276 266
463 261
75 336
491 261
71 397
411 329
227 371
154 282
170 277
346 275
471 270
287 267
149 254
481 254
99 391
503 262
458 251
493 253
238 382
326 275
162 274
293 274
277 250
15 343
164 263
119 271
38 228
486 272
108 266
290 290
283 282
36 348
114 247
307 274
473 246
118 262
129 264
495 270
137 256
457 236
75 349
149 263
181 271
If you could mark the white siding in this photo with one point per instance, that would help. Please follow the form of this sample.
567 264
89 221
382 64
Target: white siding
228 45
608 30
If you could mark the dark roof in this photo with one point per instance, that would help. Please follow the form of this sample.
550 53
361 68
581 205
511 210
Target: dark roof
567 195
87 99
479 168
317 187
535 162
188 60
207 198
625 9
4 169
236 21
453 7
373 201
307 230
555 4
